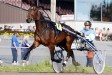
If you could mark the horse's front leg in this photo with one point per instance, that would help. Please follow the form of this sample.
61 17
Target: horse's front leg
52 48
34 45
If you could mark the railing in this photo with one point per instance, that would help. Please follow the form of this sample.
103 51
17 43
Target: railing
42 53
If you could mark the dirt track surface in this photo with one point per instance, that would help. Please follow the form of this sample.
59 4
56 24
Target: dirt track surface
29 73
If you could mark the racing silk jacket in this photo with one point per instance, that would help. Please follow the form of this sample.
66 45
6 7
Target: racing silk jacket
89 34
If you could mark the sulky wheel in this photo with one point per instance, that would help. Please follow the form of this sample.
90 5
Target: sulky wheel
98 62
57 64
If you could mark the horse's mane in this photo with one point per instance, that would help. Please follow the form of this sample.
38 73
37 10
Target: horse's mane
44 17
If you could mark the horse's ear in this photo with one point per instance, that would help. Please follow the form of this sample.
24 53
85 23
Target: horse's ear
30 3
41 7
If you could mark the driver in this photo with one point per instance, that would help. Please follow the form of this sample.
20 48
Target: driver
89 34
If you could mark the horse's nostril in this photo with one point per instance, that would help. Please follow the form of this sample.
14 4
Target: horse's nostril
28 20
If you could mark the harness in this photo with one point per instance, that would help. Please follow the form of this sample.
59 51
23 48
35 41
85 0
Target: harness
56 26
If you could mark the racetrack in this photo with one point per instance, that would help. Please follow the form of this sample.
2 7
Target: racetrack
30 73
42 53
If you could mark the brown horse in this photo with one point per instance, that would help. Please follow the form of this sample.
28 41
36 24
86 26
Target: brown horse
46 35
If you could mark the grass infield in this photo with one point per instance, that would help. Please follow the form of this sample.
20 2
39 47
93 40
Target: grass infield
45 66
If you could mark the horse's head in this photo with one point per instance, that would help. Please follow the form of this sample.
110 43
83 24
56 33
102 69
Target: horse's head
33 14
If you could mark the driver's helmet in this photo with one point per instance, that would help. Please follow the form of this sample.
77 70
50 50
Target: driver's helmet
88 23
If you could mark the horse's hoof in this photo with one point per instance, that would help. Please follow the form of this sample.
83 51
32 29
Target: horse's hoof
23 62
1 62
76 64
64 65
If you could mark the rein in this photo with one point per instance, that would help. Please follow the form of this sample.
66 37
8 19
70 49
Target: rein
40 35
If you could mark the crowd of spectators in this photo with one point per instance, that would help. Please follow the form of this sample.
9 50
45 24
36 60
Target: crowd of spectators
21 28
103 34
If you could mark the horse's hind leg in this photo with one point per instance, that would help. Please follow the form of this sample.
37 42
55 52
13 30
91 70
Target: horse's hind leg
73 58
70 53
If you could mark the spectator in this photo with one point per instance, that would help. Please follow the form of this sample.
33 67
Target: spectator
107 32
34 28
23 49
0 40
21 28
90 36
14 45
1 28
13 28
103 34
5 27
97 32
0 59
29 29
